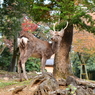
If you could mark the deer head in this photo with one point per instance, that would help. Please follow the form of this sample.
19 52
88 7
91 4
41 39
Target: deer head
57 35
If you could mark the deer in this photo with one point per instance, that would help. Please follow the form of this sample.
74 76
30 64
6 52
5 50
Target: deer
31 46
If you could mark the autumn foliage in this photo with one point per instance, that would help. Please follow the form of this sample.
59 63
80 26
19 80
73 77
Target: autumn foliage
84 42
28 25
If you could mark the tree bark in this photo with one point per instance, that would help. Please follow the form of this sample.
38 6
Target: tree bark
14 57
62 65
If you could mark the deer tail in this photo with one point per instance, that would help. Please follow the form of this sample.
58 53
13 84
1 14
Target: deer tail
22 42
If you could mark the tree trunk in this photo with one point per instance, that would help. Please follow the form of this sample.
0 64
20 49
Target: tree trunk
62 65
83 70
14 57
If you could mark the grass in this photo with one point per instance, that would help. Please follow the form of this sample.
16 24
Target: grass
8 83
4 84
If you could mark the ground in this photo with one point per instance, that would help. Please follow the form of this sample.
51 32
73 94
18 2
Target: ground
44 84
9 81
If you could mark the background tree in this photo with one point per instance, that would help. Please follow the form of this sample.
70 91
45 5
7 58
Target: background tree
90 65
11 12
28 25
10 24
5 59
83 44
83 48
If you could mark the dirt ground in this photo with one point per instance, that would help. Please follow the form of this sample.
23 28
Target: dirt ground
9 91
10 84
12 80
6 91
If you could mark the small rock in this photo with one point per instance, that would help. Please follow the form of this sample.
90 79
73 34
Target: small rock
11 89
6 78
38 73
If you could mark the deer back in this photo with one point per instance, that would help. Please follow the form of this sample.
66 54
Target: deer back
36 47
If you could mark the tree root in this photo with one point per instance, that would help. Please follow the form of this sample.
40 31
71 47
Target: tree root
43 84
46 84
79 82
18 89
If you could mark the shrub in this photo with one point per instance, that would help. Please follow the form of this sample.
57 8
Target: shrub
5 59
33 64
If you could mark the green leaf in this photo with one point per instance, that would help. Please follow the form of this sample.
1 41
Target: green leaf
67 88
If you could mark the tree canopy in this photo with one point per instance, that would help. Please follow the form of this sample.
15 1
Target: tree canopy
75 11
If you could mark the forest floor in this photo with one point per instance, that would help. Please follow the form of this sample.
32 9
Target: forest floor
9 81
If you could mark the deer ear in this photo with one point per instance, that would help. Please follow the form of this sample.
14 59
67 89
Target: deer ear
52 32
62 32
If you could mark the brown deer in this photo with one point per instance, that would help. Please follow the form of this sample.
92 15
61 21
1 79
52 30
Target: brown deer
31 46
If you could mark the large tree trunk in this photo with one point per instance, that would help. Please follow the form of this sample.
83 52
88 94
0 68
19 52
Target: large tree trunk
62 66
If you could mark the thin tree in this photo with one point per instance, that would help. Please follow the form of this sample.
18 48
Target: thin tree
10 25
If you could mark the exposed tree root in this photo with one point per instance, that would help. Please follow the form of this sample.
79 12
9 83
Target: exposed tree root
79 82
46 84
83 87
18 89
43 84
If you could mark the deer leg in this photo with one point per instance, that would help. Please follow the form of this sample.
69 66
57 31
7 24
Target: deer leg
23 57
19 70
23 68
43 62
